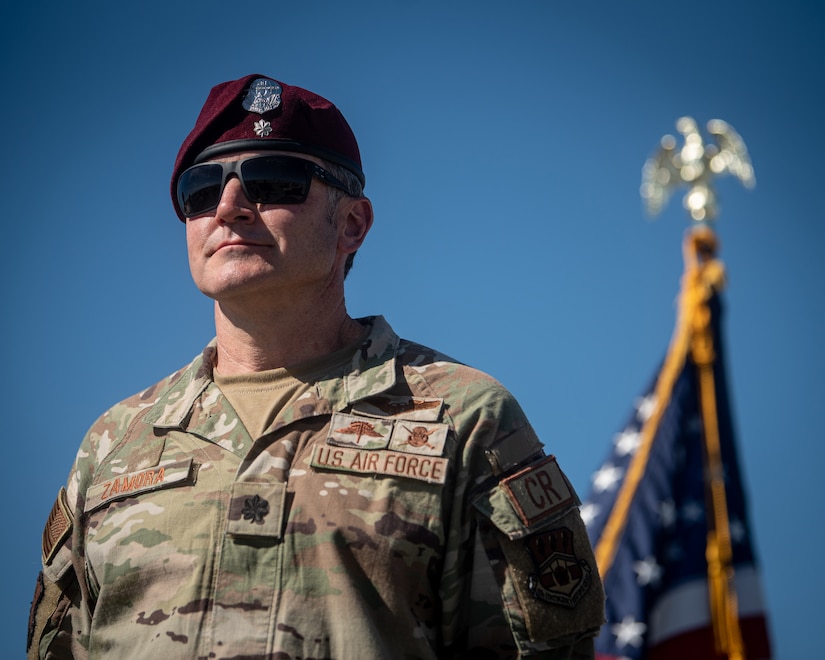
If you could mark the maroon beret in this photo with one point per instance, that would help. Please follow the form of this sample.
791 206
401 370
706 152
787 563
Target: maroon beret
256 112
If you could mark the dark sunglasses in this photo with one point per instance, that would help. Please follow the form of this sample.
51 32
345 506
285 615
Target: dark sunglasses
264 179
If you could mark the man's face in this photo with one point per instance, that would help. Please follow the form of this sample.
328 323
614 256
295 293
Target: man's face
250 252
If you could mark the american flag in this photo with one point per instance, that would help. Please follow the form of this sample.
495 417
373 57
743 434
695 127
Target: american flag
656 577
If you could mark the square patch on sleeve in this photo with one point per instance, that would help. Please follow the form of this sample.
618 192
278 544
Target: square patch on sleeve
540 491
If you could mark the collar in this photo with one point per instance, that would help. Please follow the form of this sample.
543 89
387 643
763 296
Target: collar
372 372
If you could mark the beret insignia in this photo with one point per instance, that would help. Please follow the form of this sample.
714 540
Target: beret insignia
263 95
262 128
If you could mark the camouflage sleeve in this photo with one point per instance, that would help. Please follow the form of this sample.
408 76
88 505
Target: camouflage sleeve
53 611
60 614
520 577
536 591
55 621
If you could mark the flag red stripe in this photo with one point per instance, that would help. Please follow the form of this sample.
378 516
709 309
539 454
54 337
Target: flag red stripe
699 643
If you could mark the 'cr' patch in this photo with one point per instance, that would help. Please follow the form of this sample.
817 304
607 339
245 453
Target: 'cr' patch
540 491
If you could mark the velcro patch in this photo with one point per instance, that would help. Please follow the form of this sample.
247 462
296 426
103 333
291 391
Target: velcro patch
58 526
432 469
409 407
419 438
127 485
560 577
257 509
540 491
559 593
360 432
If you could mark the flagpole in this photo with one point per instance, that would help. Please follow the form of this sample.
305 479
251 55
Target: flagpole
701 247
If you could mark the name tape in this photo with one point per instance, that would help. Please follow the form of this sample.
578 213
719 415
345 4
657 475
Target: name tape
141 481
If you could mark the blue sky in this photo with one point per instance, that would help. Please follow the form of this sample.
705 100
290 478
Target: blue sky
503 145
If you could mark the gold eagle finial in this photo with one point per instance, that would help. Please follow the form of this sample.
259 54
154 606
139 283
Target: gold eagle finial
695 165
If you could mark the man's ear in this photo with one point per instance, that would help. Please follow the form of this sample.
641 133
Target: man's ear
354 222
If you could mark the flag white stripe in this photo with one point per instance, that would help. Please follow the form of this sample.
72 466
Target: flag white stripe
686 607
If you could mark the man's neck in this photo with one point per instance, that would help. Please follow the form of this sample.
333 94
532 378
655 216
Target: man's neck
282 338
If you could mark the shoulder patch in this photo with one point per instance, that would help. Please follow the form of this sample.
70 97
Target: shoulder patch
556 589
58 526
560 576
540 491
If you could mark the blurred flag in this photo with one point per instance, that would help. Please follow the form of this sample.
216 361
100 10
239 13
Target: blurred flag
667 514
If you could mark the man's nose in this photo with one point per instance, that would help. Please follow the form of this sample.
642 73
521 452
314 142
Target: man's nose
234 205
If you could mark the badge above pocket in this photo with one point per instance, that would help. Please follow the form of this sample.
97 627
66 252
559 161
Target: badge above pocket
387 446
412 408
361 432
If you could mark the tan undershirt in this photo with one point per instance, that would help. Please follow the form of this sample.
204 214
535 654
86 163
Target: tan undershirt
260 396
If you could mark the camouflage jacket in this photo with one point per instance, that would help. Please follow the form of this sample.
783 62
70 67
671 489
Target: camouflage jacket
405 509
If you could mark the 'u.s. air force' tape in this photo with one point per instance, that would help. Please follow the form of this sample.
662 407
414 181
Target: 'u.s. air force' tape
432 469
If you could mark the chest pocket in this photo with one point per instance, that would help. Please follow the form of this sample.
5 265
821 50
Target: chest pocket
153 512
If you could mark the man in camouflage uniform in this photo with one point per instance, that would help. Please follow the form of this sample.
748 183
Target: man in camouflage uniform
311 485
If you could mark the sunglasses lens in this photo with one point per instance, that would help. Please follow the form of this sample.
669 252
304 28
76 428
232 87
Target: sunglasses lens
199 189
276 180
266 180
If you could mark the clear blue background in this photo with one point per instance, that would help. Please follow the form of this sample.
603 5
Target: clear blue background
503 145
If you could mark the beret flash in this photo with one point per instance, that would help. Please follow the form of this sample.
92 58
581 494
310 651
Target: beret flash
259 113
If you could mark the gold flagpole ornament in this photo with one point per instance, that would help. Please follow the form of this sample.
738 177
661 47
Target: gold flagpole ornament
695 165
